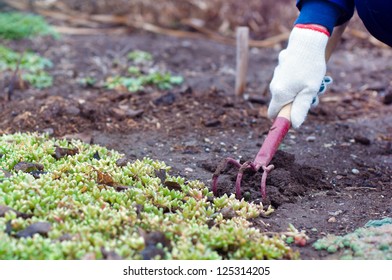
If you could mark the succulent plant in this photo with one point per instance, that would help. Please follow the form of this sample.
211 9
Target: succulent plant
82 206
369 242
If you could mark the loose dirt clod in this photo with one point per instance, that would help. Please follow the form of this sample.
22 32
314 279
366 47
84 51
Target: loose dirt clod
285 183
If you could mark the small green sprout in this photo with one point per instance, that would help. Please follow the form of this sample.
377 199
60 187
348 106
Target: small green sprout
133 70
140 77
138 56
38 80
32 66
87 81
137 83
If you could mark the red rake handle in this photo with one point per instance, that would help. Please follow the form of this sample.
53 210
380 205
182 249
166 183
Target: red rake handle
275 136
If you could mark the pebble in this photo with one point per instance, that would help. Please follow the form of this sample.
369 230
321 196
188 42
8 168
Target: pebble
362 140
188 169
388 98
332 220
355 171
49 131
311 138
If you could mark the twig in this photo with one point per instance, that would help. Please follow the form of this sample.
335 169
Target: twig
360 189
11 86
90 31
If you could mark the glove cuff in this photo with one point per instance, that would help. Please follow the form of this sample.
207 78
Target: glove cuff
314 28
308 44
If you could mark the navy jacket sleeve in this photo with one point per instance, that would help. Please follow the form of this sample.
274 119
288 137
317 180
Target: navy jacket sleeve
334 12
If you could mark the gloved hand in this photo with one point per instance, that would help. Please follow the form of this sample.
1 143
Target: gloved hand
299 73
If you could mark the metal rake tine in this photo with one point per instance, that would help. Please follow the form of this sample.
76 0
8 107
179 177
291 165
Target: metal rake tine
263 185
246 165
222 165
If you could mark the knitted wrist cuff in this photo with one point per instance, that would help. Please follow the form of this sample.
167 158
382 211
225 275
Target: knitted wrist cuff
314 28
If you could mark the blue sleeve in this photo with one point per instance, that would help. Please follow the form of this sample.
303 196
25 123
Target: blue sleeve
345 9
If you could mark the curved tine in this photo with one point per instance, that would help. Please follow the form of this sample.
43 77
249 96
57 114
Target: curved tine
263 186
238 185
246 165
222 165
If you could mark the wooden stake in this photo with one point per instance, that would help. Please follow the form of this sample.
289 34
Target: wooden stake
242 59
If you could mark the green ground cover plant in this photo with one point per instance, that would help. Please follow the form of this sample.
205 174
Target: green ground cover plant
16 25
63 199
31 66
373 241
141 73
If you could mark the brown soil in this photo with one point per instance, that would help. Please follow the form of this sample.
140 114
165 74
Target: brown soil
331 176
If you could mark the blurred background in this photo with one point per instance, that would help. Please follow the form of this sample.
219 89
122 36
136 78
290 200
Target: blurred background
264 18
216 19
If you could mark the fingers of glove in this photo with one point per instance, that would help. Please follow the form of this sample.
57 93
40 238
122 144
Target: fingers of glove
300 108
274 109
282 94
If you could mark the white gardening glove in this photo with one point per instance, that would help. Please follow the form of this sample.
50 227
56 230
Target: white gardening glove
299 73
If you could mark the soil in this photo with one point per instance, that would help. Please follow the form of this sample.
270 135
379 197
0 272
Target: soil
331 176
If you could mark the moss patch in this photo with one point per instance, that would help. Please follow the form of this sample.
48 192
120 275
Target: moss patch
70 200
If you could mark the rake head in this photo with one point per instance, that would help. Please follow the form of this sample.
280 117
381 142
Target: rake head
275 136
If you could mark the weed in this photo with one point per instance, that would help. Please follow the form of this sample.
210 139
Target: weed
139 56
139 78
87 81
15 25
31 65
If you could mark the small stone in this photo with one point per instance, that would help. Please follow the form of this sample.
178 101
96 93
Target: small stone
41 228
257 99
313 230
84 137
165 100
188 169
311 138
49 131
388 98
227 213
123 161
355 171
72 110
362 140
212 123
332 220
28 167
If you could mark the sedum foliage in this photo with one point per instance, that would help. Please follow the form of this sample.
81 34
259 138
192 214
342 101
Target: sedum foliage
77 195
